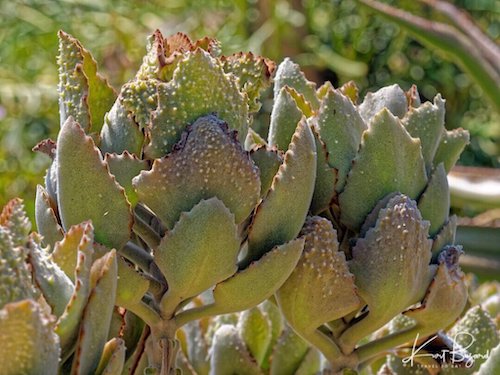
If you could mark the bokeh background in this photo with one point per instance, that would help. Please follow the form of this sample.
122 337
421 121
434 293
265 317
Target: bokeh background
333 40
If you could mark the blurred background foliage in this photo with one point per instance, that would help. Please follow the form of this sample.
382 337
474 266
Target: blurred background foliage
334 40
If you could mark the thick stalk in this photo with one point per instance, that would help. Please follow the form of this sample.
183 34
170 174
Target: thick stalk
162 347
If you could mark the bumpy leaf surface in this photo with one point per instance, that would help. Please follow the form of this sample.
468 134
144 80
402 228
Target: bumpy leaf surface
389 160
268 161
393 98
86 189
46 220
451 146
208 163
199 87
326 178
289 74
288 353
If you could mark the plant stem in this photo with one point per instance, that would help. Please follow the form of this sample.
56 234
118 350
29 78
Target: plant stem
195 313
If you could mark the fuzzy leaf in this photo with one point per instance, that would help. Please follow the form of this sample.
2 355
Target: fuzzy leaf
311 364
390 265
46 220
288 354
199 87
350 90
285 116
251 286
426 122
208 163
55 285
447 294
253 72
86 189
393 98
268 161
29 345
131 286
340 127
389 160
274 222
229 354
113 358
492 364
206 258
125 167
452 144
434 204
321 288
120 132
84 93
96 317
446 236
14 218
255 330
289 74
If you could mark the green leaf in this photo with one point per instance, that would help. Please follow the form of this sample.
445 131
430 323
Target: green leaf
55 285
393 98
125 167
268 161
113 358
391 266
288 354
86 189
229 354
426 122
434 204
492 364
255 330
29 343
389 160
131 286
311 364
14 218
84 93
199 87
452 144
209 162
285 116
46 220
289 74
340 127
96 317
200 251
446 236
253 72
274 222
321 288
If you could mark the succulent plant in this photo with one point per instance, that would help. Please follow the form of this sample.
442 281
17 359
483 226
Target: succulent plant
163 201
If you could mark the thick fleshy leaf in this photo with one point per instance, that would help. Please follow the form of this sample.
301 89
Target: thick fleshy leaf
285 116
311 364
46 220
253 72
197 348
29 345
96 317
131 286
447 294
289 74
14 218
288 354
125 167
255 330
86 189
391 266
113 358
69 321
55 285
251 286
15 278
120 132
65 253
229 354
426 122
268 161
451 146
321 288
446 236
350 90
326 178
209 162
273 313
340 127
274 222
391 97
492 364
199 87
200 251
434 204
84 94
389 160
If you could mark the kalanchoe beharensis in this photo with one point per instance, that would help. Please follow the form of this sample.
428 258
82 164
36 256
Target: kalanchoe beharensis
162 193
